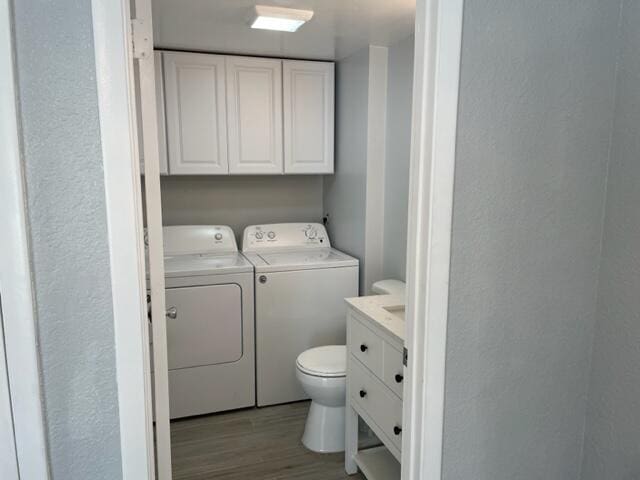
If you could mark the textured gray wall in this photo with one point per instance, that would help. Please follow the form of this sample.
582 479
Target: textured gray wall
396 192
345 191
535 113
67 221
239 201
612 442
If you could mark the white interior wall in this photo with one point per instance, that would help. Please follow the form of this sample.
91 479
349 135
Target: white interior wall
367 198
534 128
612 437
398 149
239 201
67 225
376 154
344 194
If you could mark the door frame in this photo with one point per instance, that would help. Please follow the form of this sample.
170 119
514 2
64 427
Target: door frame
19 364
113 44
435 102
438 41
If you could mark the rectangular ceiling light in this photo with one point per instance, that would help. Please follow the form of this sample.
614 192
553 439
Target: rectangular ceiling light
279 18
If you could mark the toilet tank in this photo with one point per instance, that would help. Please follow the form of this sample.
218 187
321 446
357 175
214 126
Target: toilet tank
388 287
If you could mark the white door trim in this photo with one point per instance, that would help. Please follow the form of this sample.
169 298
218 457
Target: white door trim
8 455
19 320
112 37
435 103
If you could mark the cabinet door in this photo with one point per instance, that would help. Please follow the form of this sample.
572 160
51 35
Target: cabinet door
162 133
207 328
308 116
254 102
196 113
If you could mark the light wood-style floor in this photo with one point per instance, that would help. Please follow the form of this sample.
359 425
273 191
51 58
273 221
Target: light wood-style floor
253 444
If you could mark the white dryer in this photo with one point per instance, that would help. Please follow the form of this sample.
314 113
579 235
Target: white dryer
210 330
300 287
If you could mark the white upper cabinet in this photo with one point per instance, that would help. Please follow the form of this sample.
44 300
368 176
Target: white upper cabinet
254 108
308 99
195 99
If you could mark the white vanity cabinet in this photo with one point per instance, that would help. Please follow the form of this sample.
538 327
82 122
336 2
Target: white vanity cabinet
308 99
375 379
254 108
195 99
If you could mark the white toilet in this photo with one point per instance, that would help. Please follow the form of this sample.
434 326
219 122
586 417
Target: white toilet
322 373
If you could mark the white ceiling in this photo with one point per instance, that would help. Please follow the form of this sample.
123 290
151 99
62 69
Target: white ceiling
337 29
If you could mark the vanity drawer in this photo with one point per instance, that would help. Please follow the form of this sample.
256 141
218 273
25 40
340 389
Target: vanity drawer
392 369
366 346
370 394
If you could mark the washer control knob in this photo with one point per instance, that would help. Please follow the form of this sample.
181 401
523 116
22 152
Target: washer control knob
218 236
271 235
259 235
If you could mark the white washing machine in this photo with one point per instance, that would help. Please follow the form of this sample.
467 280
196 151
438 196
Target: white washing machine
210 338
300 287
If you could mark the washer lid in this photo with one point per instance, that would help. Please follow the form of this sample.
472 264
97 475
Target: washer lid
327 361
205 264
301 260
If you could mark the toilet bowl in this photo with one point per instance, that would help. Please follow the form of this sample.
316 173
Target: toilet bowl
322 373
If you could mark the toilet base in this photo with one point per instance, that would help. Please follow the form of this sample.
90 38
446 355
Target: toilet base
324 430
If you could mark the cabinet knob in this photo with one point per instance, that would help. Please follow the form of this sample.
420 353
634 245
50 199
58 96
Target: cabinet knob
363 348
399 378
262 279
397 430
172 313
363 393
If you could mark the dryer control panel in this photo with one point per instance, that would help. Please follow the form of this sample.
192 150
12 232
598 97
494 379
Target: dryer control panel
198 239
284 236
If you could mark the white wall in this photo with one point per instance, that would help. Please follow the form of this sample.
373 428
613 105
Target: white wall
398 148
68 236
345 191
535 115
612 441
239 201
367 197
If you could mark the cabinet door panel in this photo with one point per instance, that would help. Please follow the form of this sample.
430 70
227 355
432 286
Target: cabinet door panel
308 116
196 113
207 329
254 102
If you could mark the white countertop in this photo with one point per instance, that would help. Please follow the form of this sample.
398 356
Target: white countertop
374 307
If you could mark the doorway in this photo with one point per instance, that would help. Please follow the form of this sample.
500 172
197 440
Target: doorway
436 30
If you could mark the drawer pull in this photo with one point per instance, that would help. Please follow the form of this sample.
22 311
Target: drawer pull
363 348
397 430
399 378
363 393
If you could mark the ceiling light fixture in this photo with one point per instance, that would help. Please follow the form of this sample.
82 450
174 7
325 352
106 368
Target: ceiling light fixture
279 18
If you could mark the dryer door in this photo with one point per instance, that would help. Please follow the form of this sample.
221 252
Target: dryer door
207 328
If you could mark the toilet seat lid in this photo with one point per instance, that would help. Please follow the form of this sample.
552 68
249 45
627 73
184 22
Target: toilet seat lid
327 361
